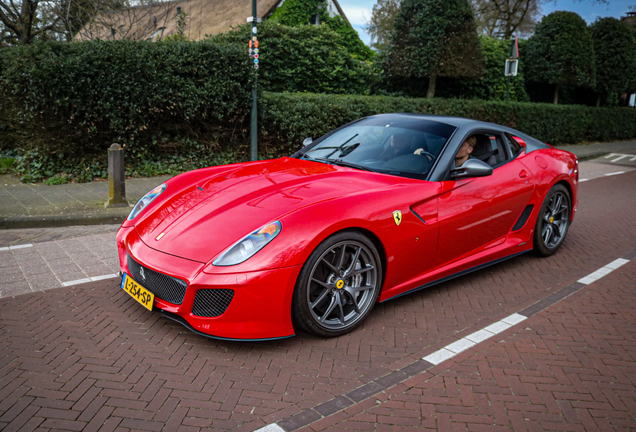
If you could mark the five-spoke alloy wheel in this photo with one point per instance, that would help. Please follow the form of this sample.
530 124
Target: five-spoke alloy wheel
338 285
553 221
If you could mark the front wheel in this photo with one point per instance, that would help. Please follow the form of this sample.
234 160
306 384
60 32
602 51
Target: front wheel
553 221
338 285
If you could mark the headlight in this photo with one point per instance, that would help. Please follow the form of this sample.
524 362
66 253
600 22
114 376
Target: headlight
248 245
145 200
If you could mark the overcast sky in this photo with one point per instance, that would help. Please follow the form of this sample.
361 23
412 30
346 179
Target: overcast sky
359 11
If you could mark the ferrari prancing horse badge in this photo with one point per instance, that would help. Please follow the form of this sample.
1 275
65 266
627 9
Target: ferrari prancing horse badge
397 217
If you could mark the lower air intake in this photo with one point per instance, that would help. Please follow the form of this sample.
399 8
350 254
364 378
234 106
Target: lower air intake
211 302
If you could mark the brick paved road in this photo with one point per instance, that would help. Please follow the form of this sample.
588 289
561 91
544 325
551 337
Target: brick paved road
90 357
570 368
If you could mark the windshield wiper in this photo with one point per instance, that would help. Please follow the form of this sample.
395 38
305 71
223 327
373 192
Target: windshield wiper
340 162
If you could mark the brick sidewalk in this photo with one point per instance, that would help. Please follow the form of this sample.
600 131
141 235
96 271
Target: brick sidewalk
11 237
570 368
52 264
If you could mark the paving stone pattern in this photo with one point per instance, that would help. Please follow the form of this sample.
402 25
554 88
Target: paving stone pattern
570 368
49 264
89 357
39 205
12 237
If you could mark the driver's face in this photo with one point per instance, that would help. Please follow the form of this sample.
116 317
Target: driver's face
464 151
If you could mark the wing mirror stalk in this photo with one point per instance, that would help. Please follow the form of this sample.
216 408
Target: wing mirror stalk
471 168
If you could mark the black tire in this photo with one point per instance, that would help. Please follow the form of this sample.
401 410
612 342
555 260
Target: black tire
553 221
338 285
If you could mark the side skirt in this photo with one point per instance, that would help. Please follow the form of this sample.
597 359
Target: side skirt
456 275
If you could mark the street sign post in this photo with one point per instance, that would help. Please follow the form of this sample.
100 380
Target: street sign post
512 63
254 120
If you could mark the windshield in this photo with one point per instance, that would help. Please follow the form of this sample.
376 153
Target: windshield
388 144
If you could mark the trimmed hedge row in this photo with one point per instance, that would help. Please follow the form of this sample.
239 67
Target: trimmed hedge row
289 118
78 96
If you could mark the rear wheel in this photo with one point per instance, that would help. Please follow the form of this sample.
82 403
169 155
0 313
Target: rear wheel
338 285
553 221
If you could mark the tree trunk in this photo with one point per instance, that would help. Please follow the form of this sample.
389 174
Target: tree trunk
598 100
556 94
431 86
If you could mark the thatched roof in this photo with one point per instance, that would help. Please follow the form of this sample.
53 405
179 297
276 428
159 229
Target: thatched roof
205 17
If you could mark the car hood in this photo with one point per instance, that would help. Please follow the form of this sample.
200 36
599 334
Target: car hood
216 210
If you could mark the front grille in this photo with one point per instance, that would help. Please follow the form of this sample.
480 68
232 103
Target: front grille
211 302
163 286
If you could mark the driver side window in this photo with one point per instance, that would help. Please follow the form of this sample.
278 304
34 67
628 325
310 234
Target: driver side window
490 149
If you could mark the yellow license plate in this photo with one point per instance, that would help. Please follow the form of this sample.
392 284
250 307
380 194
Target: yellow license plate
136 291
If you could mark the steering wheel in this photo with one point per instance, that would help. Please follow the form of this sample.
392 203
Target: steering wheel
422 152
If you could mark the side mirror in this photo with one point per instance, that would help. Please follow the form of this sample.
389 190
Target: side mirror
471 168
307 141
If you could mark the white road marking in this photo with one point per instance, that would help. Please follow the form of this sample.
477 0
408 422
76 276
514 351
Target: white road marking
583 180
76 282
614 173
271 428
16 247
90 279
473 339
594 276
619 156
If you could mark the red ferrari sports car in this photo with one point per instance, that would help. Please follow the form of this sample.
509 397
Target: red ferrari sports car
378 208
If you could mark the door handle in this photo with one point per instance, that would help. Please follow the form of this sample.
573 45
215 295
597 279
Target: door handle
523 174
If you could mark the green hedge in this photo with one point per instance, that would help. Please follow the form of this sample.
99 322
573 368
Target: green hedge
80 97
289 118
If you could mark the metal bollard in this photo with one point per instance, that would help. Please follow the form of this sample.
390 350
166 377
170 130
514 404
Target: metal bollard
116 178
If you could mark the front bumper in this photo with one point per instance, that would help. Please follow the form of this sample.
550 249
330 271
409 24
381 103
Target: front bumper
260 307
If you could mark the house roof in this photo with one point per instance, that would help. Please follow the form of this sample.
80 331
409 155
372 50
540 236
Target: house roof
204 17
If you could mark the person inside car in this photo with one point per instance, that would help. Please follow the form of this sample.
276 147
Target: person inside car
465 150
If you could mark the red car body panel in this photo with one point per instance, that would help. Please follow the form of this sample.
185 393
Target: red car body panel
447 227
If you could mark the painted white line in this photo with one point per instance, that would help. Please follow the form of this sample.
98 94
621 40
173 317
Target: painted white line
480 336
75 282
451 350
460 345
498 327
439 356
90 279
98 278
618 158
271 428
605 270
617 263
614 173
4 248
513 319
20 246
583 180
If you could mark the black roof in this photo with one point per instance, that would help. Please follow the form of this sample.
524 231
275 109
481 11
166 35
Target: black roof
450 120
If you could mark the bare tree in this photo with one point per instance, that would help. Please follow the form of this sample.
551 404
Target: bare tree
146 19
503 18
26 20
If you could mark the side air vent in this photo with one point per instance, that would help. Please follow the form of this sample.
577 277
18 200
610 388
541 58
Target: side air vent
523 218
